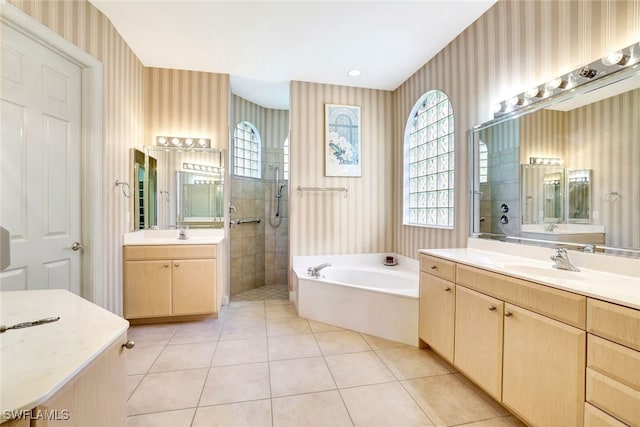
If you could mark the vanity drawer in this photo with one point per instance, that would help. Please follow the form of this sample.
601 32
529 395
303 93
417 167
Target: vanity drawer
438 267
594 417
142 252
613 397
614 322
614 360
561 305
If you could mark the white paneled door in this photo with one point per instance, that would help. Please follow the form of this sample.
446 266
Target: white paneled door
40 109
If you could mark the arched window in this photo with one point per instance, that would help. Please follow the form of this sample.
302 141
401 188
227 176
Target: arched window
429 163
247 151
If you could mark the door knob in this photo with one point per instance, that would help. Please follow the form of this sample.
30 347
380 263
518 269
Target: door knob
129 344
76 246
508 314
492 308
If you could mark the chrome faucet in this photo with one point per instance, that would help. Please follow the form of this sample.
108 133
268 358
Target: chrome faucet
552 226
562 262
315 271
182 233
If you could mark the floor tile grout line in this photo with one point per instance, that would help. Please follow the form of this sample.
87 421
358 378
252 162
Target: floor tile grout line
416 402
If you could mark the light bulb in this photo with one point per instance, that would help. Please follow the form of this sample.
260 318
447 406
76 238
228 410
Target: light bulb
615 58
514 101
553 84
162 140
188 142
532 93
202 142
497 108
354 73
175 141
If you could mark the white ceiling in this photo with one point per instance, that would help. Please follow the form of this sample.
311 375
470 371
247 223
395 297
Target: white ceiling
264 45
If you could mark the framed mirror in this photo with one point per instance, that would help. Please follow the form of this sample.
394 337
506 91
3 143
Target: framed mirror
568 168
184 186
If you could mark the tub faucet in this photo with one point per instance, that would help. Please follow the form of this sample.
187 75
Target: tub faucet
315 271
552 226
562 262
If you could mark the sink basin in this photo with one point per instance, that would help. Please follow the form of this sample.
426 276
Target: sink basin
542 272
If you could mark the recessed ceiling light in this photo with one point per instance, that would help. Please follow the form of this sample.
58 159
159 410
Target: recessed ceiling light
354 73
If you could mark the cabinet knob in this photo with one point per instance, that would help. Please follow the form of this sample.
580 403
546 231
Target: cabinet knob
508 314
433 267
129 344
176 265
165 265
447 289
492 308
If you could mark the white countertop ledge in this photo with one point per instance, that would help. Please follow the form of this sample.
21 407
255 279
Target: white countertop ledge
198 236
607 278
38 361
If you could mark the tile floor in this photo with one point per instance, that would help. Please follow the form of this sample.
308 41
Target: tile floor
262 365
261 293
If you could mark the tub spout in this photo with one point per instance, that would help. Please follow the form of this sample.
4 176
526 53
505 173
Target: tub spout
315 271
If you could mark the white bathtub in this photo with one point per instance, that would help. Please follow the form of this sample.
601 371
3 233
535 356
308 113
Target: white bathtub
360 293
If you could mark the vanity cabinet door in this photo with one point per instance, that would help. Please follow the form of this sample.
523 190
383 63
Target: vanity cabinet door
478 339
96 396
437 308
194 284
147 289
543 369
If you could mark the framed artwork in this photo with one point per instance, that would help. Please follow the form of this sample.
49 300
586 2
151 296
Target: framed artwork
343 151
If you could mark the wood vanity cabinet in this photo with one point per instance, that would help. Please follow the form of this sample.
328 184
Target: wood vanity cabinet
169 280
543 368
613 364
94 397
522 342
478 339
437 305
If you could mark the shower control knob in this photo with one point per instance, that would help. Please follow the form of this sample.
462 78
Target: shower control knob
504 219
504 208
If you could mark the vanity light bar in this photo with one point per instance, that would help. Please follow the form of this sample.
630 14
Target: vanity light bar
200 168
179 141
609 64
547 161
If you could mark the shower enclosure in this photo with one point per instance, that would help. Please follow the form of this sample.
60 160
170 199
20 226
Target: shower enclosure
259 210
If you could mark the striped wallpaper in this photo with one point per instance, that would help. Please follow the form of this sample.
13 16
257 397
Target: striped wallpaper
514 45
89 29
605 137
326 223
186 103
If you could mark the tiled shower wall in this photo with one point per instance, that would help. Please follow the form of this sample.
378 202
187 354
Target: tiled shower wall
502 183
260 252
247 240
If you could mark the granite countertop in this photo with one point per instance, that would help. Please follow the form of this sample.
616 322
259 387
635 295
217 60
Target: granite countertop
38 361
200 236
595 279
